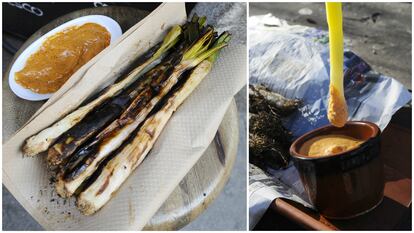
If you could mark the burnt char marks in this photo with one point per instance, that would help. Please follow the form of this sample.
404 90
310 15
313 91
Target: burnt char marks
90 180
181 80
106 183
79 161
149 89
136 106
96 120
150 131
108 137
165 71
134 159
53 155
147 55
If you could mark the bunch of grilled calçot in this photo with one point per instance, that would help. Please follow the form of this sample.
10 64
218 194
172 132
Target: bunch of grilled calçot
97 146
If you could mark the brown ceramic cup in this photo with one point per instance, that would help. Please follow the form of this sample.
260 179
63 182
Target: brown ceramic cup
347 184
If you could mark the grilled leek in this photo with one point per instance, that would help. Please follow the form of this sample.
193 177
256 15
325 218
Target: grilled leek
87 159
98 119
118 169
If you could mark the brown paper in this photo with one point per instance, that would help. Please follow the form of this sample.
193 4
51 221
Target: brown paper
184 139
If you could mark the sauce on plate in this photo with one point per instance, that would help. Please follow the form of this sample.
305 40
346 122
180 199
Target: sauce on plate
61 55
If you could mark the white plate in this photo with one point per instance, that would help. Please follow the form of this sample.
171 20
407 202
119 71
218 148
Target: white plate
111 25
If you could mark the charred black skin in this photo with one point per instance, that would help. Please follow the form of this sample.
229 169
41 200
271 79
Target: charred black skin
76 159
99 118
92 123
112 109
96 120
182 79
86 155
147 55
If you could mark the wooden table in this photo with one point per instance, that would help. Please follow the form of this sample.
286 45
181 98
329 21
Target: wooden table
204 181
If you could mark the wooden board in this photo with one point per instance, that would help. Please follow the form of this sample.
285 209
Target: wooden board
204 181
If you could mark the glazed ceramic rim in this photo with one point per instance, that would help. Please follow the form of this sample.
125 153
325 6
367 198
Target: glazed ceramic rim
294 152
110 24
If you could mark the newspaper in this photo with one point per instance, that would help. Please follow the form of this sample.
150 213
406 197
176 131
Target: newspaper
294 61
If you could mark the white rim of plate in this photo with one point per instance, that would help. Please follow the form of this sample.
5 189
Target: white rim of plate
110 24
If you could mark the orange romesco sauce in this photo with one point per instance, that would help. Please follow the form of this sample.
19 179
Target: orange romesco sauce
337 109
329 144
60 56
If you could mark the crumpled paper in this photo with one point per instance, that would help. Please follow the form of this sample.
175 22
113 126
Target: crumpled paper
183 141
293 60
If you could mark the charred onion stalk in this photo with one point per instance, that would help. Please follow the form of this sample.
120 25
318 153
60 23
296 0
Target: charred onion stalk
139 93
131 154
41 142
86 160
